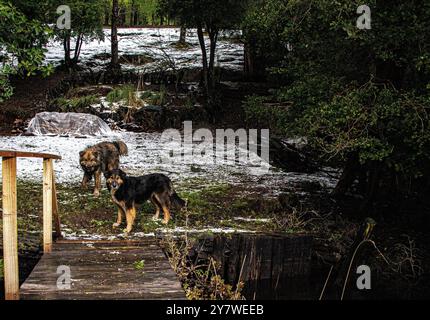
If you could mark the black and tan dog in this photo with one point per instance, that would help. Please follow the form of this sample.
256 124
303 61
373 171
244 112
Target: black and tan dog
100 159
129 192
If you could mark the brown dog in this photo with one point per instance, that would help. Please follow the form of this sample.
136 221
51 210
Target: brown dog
100 158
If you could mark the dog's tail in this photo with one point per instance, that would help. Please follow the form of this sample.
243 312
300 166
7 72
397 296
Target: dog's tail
122 148
177 201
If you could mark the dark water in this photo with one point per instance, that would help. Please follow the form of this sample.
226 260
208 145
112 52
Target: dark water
298 288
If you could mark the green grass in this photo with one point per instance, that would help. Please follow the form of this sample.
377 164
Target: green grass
125 93
139 265
81 104
115 95
214 205
155 98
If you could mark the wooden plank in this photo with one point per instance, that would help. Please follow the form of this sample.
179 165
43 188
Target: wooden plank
24 154
47 204
10 230
104 270
55 212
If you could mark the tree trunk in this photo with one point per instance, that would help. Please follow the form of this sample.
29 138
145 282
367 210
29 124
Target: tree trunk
78 47
132 13
122 16
114 36
204 57
349 174
373 185
107 16
249 61
66 45
136 18
183 35
213 37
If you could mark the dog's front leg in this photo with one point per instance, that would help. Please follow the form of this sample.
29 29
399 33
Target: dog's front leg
98 183
85 180
119 219
166 212
130 215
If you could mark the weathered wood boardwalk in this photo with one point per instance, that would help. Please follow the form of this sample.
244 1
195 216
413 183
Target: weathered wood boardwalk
104 270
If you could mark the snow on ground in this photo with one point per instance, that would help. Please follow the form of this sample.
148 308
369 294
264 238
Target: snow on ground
148 154
146 151
155 42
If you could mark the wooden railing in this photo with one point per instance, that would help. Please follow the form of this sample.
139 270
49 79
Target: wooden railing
10 227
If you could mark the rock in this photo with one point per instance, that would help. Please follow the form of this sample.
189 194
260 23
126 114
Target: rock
74 124
286 156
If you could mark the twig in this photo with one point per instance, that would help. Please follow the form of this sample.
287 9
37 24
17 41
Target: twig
325 284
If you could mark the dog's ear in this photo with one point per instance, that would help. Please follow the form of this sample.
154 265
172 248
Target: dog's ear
122 174
81 154
108 174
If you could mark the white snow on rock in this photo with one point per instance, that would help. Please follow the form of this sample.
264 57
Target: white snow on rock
71 124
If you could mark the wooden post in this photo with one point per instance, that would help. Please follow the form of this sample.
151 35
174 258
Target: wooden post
47 204
57 223
10 229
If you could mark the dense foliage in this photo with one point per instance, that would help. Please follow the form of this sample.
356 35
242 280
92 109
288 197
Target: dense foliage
21 45
361 97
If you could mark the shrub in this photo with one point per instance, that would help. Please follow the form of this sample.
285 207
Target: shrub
125 93
82 104
262 114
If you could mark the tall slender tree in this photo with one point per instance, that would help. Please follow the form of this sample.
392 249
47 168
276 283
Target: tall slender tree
114 35
183 35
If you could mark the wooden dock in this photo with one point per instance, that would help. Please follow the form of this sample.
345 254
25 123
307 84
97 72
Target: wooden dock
78 269
103 270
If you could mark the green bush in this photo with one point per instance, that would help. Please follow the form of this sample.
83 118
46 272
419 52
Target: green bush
376 122
155 98
125 93
114 96
361 97
82 104
262 114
